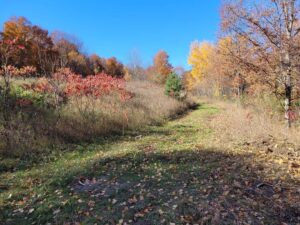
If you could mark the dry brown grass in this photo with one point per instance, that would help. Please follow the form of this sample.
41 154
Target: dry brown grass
155 105
86 118
241 124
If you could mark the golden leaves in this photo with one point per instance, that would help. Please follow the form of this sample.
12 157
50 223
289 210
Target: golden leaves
200 59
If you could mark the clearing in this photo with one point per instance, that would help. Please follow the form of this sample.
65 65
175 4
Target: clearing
170 174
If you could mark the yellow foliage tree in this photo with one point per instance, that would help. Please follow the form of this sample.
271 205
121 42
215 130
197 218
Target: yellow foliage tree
199 60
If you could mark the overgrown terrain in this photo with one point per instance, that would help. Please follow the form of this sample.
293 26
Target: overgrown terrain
176 173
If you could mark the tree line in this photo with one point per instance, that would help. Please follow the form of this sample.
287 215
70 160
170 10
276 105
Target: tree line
46 52
37 53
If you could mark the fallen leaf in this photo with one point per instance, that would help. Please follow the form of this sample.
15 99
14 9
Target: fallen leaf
30 211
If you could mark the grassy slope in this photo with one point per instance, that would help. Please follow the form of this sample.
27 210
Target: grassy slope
163 175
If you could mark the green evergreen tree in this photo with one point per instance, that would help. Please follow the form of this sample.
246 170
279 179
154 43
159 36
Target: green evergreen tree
173 85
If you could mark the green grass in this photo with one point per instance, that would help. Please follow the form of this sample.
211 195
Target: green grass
160 175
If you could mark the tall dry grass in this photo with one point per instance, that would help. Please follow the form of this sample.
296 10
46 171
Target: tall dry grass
253 123
84 118
87 118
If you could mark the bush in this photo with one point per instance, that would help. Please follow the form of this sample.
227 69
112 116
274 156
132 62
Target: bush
24 96
173 86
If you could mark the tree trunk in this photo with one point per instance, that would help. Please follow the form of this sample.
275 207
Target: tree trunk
289 13
288 101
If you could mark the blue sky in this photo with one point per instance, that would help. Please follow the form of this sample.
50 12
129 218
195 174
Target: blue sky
116 27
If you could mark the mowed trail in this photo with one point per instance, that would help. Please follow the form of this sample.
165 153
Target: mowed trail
169 174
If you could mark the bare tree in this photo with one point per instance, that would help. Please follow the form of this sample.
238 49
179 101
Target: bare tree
135 65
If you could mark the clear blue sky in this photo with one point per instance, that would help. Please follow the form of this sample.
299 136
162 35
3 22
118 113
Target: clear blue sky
116 27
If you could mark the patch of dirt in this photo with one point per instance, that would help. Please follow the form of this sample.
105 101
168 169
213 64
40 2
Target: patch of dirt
148 149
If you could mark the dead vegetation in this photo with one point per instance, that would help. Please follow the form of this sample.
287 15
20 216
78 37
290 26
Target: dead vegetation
85 118
255 126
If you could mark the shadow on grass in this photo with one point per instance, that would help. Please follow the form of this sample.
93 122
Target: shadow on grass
194 186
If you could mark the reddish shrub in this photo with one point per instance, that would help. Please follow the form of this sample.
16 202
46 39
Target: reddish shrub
16 72
75 85
24 102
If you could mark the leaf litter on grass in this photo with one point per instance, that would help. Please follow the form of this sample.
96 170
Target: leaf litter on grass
169 176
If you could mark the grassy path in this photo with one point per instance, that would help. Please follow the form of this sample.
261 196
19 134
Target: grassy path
171 174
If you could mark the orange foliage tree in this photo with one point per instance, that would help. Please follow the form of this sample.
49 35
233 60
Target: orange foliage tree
161 68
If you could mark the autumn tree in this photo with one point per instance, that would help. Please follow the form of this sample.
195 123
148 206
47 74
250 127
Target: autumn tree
64 44
38 46
114 68
199 59
47 53
161 68
97 64
229 74
70 53
185 80
215 70
271 28
72 56
43 55
17 29
78 63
